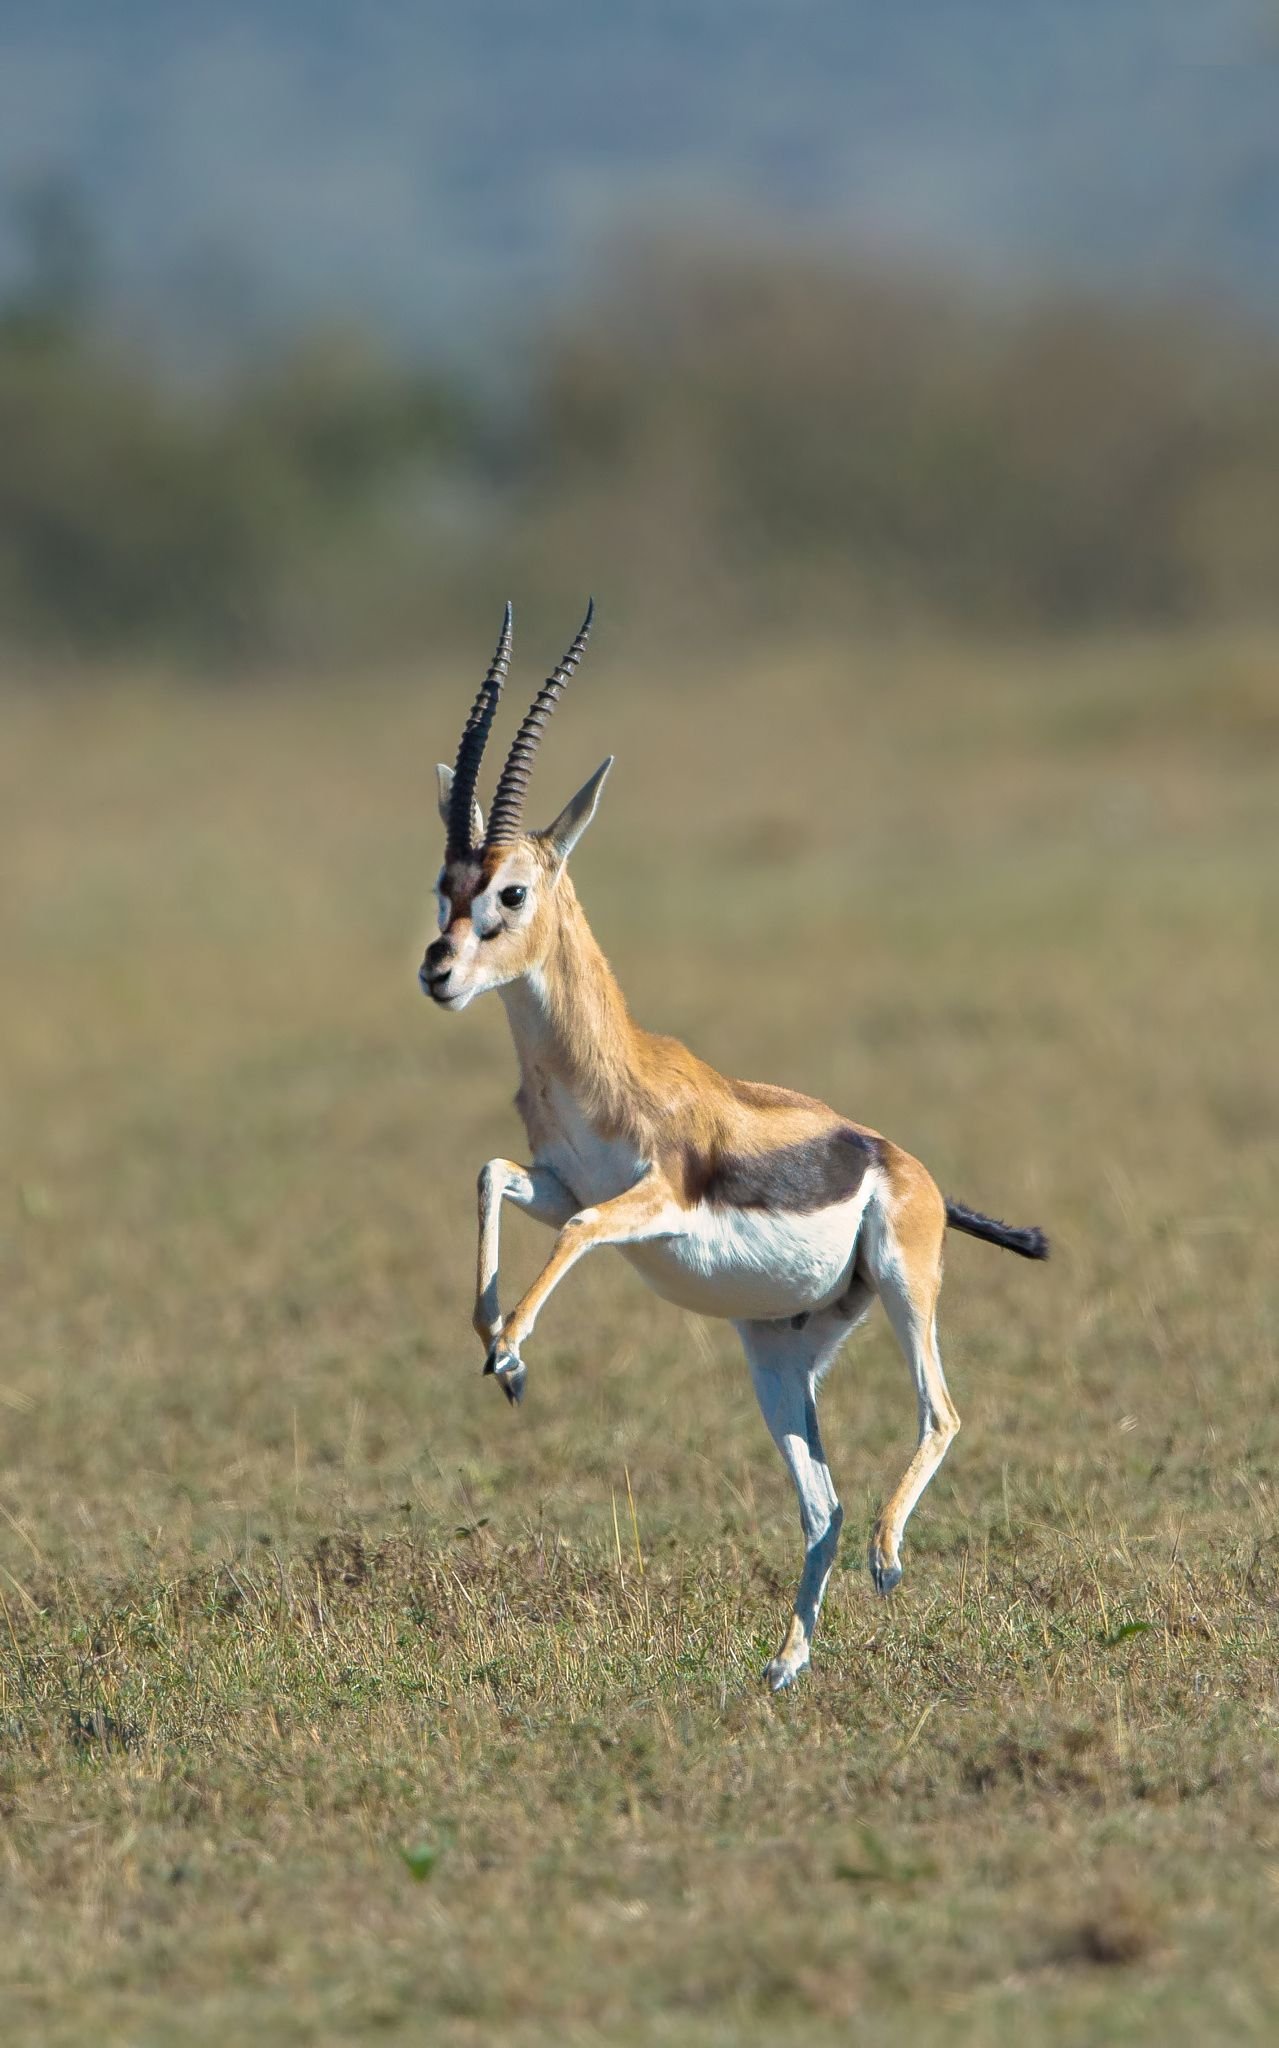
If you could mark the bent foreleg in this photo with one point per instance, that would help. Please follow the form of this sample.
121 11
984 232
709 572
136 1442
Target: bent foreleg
532 1188
644 1211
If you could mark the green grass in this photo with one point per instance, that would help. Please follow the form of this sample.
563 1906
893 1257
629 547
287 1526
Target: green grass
338 1701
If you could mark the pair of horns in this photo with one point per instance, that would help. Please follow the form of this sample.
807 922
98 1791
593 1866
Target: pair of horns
508 801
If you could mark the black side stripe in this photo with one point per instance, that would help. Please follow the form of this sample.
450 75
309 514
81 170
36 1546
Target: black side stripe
799 1179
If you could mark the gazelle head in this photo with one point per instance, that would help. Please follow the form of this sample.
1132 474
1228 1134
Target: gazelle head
497 890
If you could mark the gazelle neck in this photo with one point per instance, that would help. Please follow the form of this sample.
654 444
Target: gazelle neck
568 1016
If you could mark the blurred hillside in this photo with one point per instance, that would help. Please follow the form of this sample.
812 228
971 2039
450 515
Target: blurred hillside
224 522
451 170
717 432
318 325
771 432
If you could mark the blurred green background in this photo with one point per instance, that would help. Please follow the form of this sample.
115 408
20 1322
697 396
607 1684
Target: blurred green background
320 329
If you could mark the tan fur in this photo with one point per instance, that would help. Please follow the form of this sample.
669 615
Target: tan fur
732 1198
658 1138
642 1085
917 1217
918 1213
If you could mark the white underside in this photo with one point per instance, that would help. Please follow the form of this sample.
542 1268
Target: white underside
751 1264
744 1264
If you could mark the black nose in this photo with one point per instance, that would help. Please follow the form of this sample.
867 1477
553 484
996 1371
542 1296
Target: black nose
438 961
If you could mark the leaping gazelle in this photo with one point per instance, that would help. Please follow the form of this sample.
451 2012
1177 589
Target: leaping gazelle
731 1198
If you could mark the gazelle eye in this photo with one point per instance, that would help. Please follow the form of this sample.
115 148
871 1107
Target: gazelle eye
513 897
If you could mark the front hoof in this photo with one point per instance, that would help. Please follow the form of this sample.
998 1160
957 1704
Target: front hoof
510 1372
781 1674
885 1577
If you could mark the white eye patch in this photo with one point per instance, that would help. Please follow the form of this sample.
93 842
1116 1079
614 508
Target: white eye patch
486 919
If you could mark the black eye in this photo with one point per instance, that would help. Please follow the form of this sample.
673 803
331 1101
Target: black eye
513 897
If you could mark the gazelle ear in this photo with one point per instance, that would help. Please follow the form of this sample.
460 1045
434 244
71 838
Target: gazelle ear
576 815
444 776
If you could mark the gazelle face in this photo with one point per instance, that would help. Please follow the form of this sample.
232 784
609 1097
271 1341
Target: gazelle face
495 912
496 891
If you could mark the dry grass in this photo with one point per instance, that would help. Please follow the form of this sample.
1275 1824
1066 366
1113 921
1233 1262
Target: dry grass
337 1700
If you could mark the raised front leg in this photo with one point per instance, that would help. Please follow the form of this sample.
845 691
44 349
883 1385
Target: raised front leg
644 1211
533 1188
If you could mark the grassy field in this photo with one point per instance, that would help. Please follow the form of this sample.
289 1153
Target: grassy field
337 1700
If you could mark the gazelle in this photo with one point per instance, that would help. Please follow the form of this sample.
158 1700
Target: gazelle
729 1197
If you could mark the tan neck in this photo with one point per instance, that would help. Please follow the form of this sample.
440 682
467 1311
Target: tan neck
569 1014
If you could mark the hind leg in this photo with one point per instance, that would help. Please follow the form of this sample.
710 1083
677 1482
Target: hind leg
786 1365
904 1261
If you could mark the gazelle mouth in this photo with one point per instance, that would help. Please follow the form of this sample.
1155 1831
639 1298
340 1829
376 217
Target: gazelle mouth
445 998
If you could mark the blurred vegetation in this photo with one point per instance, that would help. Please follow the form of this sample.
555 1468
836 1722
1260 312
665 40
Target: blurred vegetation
788 430
242 518
720 429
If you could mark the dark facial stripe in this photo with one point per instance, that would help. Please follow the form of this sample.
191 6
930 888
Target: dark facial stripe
461 882
799 1178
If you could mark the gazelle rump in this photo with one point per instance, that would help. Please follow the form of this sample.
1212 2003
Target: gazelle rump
732 1198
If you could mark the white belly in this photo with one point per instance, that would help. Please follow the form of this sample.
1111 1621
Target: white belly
738 1263
755 1263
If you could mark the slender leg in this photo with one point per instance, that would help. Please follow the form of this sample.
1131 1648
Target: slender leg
644 1211
534 1188
786 1365
907 1279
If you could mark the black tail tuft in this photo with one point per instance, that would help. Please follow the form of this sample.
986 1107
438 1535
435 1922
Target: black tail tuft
1028 1244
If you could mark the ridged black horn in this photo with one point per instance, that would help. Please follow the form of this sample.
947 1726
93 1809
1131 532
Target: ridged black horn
474 739
508 803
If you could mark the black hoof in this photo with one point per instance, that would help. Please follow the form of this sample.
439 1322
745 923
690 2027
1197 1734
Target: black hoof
885 1577
509 1370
